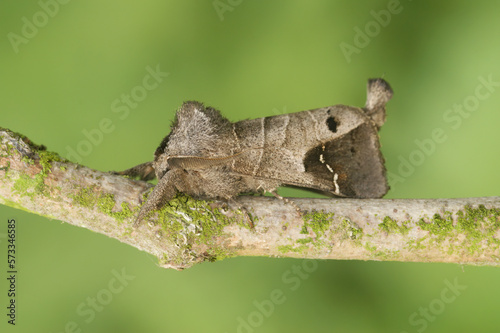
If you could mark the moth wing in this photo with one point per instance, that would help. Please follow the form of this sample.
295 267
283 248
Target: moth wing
333 149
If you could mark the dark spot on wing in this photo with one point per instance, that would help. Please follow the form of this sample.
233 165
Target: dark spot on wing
332 124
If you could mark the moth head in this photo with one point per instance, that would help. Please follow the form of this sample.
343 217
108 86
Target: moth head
160 162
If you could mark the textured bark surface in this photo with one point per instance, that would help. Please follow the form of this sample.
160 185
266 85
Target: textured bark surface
189 231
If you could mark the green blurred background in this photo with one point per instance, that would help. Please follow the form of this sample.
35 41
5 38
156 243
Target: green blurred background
64 68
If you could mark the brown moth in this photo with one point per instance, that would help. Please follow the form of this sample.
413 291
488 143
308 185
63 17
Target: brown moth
333 149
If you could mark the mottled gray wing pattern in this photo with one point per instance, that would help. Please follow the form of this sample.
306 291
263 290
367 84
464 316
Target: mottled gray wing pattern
333 149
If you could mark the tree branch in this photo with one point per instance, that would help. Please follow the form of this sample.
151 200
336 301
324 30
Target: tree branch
188 231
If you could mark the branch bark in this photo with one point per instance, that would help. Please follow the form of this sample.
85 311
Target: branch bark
189 231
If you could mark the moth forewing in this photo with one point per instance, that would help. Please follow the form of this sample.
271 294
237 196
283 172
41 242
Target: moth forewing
332 149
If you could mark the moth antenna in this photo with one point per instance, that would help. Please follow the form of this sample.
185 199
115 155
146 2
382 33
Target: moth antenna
144 171
379 92
198 162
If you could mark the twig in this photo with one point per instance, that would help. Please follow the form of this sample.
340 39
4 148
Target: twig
189 231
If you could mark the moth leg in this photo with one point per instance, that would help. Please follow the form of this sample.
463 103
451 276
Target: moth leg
144 171
237 205
163 192
287 201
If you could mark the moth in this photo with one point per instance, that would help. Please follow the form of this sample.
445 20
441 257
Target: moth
334 149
